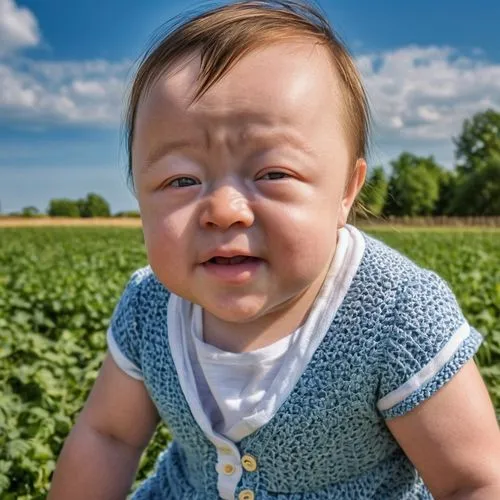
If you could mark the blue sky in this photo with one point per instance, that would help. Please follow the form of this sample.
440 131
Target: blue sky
64 68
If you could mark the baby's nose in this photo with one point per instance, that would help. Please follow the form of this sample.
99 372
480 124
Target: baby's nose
225 206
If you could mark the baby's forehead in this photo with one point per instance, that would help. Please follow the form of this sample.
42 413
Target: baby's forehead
284 96
283 77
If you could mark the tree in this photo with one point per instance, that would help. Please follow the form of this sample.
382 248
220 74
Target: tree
134 214
30 211
448 182
63 207
93 206
374 193
478 193
81 204
478 141
414 186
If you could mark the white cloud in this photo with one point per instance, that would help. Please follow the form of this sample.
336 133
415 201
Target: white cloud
43 93
18 27
90 88
424 93
86 92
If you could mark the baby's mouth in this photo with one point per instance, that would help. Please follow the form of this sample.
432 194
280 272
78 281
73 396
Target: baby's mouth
231 261
235 270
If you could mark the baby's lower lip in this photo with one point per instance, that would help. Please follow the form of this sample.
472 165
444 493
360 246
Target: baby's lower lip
233 273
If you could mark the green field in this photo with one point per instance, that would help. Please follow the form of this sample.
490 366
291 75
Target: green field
58 288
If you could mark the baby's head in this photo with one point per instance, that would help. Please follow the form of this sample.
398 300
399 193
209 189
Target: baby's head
247 133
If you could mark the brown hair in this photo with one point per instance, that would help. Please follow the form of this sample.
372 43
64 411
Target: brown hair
225 34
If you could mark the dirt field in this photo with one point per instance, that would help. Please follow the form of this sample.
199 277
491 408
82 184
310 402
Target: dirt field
61 221
489 224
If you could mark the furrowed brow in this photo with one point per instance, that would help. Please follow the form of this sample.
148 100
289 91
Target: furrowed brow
163 149
275 138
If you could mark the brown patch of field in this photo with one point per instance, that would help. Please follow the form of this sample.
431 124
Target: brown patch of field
395 223
63 221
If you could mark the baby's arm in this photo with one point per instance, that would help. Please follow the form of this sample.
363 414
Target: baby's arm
453 439
100 457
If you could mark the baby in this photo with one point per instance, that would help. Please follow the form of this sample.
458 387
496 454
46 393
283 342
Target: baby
290 354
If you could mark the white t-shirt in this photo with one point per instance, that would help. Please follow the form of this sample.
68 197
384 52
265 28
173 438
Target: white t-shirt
232 384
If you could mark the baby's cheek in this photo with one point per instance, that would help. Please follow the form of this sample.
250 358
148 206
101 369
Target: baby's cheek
301 260
166 253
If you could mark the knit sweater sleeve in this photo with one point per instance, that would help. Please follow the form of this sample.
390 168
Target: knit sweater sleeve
124 332
430 340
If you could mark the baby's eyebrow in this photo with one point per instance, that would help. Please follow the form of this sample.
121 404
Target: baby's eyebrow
163 149
274 137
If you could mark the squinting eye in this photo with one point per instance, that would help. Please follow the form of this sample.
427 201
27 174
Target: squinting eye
181 182
274 175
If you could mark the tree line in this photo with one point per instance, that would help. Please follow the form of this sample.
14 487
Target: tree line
419 186
415 186
93 205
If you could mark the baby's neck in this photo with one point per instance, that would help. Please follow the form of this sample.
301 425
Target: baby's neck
263 331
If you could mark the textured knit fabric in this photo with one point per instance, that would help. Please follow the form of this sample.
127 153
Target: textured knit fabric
394 336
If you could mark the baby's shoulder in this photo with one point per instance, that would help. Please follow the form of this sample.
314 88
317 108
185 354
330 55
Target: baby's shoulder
414 287
385 268
382 258
144 293
139 314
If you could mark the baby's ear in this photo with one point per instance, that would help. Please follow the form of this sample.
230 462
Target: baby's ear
353 187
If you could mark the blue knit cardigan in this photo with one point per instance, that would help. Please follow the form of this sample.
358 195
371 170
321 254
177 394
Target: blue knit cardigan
329 438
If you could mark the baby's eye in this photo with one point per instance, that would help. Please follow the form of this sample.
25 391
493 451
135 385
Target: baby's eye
181 182
274 175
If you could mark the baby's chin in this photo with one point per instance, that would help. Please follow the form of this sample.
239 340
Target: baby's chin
239 311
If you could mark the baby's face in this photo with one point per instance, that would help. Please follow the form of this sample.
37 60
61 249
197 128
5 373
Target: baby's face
257 167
